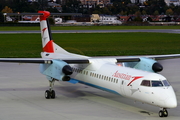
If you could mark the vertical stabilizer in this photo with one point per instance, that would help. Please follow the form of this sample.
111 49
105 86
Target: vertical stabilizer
48 45
47 41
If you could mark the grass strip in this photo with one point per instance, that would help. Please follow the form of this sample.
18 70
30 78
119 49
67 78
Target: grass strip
93 44
7 28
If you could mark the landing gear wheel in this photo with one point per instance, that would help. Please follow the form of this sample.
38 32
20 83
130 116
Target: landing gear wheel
53 95
47 94
163 113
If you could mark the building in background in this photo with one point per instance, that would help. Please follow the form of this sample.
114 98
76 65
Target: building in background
168 2
138 1
175 2
55 5
32 0
41 0
91 3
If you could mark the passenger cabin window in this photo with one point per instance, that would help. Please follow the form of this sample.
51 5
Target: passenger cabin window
146 83
157 84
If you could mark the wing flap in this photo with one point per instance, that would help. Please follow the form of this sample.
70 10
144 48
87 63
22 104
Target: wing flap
128 59
76 61
26 60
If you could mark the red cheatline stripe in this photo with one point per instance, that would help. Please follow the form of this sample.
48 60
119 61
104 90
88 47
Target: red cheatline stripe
135 78
49 47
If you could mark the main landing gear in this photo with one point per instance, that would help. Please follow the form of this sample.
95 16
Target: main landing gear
50 93
163 112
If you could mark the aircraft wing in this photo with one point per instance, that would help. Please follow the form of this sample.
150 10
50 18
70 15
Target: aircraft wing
87 60
42 60
163 57
137 58
25 60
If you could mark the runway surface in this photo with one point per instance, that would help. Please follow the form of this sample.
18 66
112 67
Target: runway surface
97 31
22 97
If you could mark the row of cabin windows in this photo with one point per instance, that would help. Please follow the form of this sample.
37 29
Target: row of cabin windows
103 77
110 79
80 71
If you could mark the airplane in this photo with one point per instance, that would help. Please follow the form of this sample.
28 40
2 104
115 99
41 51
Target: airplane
134 77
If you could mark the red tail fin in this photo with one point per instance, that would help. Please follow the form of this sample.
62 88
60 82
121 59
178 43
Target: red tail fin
46 32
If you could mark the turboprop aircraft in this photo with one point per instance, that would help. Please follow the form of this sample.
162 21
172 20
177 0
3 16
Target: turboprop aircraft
132 77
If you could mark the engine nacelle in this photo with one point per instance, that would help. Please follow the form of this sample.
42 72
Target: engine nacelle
145 64
58 70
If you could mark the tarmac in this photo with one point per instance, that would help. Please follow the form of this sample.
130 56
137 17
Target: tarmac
22 89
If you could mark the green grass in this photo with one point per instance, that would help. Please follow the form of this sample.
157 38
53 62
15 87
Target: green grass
92 44
6 28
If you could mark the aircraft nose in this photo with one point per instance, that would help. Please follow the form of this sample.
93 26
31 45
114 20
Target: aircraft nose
171 102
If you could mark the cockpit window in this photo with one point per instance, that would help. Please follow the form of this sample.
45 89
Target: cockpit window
146 83
156 83
166 83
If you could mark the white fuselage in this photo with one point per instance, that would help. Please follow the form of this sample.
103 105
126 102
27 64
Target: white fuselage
125 81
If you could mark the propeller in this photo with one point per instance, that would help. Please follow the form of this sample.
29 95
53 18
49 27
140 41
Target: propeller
67 70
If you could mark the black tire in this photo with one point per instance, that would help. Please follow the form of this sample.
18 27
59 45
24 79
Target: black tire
47 94
53 94
165 112
161 113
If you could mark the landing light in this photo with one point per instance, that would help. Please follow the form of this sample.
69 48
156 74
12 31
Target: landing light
119 64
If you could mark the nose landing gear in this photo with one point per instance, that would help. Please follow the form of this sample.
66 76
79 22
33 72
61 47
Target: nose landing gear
163 113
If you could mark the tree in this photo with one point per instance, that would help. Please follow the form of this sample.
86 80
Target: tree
7 10
177 10
144 12
121 13
138 16
1 17
105 10
156 12
169 11
51 21
71 6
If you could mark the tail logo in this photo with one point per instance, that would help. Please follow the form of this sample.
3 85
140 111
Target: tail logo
134 79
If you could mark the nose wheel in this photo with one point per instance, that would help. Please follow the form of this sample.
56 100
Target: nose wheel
163 113
50 93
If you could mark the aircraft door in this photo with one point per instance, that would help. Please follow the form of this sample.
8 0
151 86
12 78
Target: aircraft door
122 83
125 88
